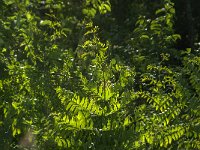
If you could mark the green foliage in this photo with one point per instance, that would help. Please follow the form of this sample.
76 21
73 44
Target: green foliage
63 86
91 7
155 35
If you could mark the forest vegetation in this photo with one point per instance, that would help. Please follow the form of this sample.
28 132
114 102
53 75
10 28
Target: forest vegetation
99 75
